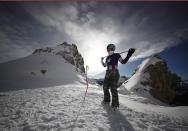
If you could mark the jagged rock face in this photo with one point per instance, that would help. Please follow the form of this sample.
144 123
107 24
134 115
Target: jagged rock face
163 82
68 52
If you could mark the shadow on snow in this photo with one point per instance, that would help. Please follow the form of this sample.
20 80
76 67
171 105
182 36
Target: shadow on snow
117 120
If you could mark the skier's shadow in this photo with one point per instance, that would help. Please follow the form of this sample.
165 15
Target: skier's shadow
117 120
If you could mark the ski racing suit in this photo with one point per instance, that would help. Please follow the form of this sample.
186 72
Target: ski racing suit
112 77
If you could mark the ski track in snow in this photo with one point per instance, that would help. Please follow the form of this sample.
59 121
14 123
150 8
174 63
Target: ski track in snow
56 108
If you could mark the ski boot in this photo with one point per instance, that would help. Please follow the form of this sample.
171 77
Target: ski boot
115 108
105 102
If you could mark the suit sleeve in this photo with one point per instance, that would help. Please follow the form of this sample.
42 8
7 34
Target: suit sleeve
104 63
118 56
124 61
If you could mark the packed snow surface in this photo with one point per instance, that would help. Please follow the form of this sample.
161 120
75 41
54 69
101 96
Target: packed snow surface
59 107
56 108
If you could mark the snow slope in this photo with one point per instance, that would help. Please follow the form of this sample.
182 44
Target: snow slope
135 81
134 85
55 108
26 72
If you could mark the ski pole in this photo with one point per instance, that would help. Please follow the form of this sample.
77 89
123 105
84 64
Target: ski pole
87 68
119 53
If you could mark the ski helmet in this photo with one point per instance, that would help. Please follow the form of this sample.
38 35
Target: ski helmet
111 47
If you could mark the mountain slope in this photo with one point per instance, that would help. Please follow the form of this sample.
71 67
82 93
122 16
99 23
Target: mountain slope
153 79
41 69
134 83
66 51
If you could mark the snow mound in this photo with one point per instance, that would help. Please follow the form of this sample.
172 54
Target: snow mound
37 70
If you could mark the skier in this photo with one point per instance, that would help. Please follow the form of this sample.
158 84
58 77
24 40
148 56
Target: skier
112 74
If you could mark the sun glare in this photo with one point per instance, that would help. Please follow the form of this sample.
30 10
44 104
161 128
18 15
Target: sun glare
96 48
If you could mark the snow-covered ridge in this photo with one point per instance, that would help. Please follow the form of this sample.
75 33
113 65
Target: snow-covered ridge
44 68
140 75
153 79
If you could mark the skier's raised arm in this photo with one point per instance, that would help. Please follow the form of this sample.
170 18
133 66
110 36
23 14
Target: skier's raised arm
130 52
104 64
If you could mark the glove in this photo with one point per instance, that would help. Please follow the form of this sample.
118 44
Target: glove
131 51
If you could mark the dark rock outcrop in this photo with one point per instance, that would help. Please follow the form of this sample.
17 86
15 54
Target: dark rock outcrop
163 82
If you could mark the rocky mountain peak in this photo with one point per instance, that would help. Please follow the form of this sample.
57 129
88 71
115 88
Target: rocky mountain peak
67 51
162 81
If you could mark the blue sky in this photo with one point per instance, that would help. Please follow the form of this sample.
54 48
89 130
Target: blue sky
150 27
176 58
